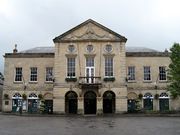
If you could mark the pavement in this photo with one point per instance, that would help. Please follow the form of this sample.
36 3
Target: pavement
70 125
102 115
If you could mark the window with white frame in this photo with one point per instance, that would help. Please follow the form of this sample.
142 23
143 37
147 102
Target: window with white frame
90 62
18 74
147 73
108 66
33 76
71 67
131 73
49 74
162 73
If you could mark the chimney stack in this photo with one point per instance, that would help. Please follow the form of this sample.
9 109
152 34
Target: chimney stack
15 49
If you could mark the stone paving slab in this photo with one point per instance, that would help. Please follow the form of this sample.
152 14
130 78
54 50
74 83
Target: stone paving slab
15 125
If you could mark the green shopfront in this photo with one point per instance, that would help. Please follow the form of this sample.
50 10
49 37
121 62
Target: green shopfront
16 102
33 103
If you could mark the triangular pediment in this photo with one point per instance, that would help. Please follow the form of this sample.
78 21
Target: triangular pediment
90 30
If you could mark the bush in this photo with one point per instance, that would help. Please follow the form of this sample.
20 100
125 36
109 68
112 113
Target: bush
71 79
109 79
140 96
24 96
156 96
6 96
40 96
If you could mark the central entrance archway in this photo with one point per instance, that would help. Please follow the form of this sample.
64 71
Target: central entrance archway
108 102
90 102
71 102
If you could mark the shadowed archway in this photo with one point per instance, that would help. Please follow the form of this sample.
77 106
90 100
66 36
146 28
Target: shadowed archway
71 102
109 102
90 102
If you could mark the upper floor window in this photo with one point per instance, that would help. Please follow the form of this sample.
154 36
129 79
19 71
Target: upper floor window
108 48
18 75
71 48
33 76
89 48
109 66
162 73
71 67
49 74
147 73
131 73
90 62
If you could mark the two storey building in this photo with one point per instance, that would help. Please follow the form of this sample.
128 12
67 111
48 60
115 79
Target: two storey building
89 70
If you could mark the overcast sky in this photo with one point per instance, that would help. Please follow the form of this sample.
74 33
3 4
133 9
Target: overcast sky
31 23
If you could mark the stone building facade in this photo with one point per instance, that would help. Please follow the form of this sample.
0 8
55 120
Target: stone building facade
1 89
88 71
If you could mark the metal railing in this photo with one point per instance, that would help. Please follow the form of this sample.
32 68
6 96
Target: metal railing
90 80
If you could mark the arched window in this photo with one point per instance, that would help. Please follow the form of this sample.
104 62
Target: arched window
17 95
163 95
33 96
148 95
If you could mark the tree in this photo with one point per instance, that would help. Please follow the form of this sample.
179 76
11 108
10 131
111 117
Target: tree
174 71
1 76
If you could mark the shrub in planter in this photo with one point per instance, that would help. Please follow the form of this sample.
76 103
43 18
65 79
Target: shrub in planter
24 96
71 79
109 79
42 106
40 96
6 96
140 96
156 96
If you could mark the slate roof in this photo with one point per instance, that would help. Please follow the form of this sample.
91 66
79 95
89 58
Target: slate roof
39 50
52 50
139 49
49 53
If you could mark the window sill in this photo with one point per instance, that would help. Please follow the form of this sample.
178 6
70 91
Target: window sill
147 81
162 81
71 79
18 82
109 79
132 81
48 82
35 82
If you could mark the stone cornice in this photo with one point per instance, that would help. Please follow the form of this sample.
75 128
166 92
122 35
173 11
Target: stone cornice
51 55
29 55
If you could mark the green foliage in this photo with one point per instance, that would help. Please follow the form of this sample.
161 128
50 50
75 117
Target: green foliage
71 79
40 96
156 96
109 79
24 96
140 96
42 106
174 71
6 96
138 105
